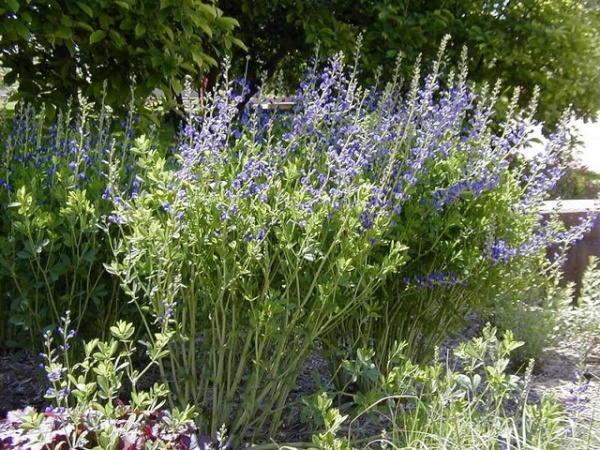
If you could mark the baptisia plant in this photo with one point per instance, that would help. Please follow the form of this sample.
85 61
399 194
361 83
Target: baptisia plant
252 257
52 179
359 218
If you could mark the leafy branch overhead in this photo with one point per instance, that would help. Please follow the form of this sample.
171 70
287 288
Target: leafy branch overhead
54 48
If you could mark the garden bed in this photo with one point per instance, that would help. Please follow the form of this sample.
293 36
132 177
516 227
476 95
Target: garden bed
559 371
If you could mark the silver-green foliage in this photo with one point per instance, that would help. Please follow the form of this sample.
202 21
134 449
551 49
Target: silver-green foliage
476 404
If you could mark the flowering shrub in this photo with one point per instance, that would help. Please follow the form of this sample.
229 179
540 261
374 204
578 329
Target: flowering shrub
52 182
251 265
358 219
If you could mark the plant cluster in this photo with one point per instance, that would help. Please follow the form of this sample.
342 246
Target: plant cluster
359 219
53 196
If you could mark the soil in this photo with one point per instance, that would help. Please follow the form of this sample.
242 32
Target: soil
574 382
20 383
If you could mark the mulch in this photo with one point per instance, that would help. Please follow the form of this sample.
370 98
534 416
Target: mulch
21 383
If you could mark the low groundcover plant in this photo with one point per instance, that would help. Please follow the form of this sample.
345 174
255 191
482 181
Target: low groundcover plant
361 218
86 410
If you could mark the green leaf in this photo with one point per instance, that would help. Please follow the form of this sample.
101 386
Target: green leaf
127 25
176 85
64 33
208 10
23 255
66 21
41 244
206 29
84 26
102 382
122 330
105 21
13 5
85 8
309 257
187 28
227 23
169 33
21 29
117 38
237 42
123 5
202 59
97 36
140 30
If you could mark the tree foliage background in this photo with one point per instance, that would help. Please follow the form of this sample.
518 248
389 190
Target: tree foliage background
553 44
54 47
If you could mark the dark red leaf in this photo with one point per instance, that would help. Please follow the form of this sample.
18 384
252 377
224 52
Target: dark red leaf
147 430
6 443
183 442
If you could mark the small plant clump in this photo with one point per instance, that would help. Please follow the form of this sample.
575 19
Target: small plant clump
87 411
